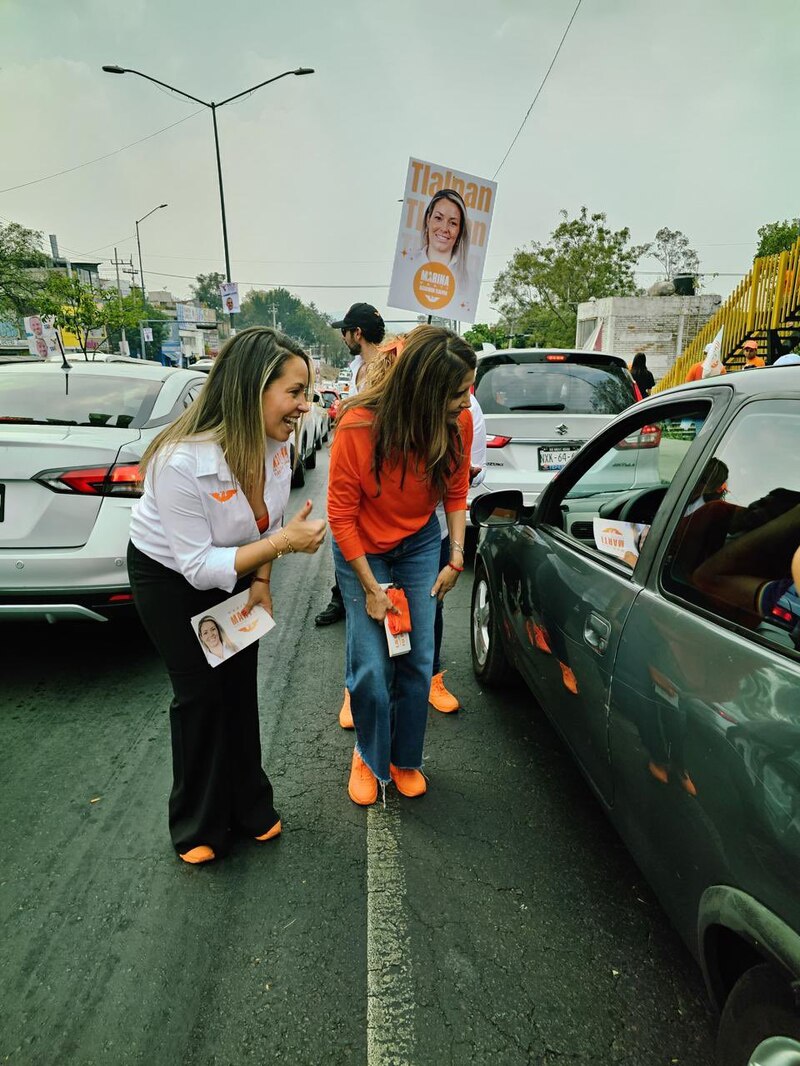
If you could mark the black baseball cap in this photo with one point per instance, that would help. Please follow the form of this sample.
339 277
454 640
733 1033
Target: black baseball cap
361 316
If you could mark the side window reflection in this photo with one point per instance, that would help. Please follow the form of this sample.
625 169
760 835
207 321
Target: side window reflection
733 548
612 506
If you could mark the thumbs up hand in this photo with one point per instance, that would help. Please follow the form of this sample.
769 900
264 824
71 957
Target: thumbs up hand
304 534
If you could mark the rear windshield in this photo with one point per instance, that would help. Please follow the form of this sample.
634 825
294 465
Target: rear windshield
574 388
76 400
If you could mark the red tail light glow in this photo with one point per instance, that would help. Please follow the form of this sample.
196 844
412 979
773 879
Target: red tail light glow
783 614
647 437
555 358
496 441
121 597
121 479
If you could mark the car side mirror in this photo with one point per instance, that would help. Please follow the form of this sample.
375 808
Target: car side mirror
497 508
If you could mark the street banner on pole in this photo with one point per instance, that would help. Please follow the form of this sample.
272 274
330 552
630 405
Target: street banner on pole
441 246
229 291
147 333
41 336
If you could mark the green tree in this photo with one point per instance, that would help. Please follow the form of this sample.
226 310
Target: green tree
542 285
206 290
130 315
672 250
93 315
481 333
305 322
777 237
22 270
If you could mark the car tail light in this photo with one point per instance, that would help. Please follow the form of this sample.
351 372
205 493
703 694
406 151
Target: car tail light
121 479
555 358
647 437
782 614
493 440
121 597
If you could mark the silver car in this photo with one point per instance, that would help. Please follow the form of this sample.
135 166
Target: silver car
541 405
70 444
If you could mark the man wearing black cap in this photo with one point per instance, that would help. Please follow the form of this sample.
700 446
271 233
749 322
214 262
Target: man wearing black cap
363 330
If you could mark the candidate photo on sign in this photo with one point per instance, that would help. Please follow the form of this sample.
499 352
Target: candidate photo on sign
444 242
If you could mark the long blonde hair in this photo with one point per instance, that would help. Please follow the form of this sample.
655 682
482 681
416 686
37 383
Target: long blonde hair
409 406
228 409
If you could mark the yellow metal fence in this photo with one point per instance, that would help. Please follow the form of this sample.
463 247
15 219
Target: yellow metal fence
767 299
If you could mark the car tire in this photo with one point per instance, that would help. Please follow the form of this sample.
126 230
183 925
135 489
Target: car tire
311 458
298 472
760 1005
489 662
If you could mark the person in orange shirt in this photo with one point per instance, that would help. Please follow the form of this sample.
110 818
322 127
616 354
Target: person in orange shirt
752 360
400 448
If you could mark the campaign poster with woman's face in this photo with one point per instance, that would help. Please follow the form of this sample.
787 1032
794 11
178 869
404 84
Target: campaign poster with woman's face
441 246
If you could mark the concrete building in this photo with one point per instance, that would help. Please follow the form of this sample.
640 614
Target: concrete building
659 326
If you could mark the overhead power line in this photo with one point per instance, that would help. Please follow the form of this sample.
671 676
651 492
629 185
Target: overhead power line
538 91
89 162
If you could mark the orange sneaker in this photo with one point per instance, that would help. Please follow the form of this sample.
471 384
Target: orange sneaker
440 698
569 679
270 833
659 772
345 714
408 782
688 785
198 855
362 787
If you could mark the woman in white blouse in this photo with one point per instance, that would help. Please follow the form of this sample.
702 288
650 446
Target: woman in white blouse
210 523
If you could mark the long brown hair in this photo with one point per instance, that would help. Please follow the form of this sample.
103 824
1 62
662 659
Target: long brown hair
410 404
228 409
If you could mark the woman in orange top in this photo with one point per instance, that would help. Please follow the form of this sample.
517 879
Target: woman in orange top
399 450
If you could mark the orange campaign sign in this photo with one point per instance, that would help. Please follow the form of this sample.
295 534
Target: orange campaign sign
441 245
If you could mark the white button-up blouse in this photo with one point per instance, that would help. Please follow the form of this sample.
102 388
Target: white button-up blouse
193 515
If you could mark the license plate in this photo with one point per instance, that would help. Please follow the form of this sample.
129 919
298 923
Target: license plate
555 458
2 503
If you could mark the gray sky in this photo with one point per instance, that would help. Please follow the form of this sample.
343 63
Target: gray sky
676 114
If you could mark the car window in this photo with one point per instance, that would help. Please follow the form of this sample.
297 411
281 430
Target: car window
503 386
732 549
614 502
82 400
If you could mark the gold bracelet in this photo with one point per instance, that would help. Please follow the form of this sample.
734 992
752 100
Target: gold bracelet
289 547
458 547
279 552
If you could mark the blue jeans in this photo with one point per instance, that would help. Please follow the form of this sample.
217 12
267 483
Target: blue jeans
389 697
438 625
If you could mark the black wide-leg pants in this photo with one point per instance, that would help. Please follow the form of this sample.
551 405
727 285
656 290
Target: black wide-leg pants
219 786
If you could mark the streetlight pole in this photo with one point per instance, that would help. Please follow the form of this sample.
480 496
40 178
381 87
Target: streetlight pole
113 69
141 274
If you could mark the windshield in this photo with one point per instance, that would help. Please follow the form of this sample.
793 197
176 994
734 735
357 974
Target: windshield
571 388
92 400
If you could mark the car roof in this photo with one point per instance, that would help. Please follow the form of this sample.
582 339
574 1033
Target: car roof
597 357
145 369
765 379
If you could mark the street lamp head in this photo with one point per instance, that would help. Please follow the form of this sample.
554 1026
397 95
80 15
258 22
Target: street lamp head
304 70
110 68
162 205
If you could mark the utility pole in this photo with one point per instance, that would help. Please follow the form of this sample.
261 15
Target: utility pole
124 342
274 311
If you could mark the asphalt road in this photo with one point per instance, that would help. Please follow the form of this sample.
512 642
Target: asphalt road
496 920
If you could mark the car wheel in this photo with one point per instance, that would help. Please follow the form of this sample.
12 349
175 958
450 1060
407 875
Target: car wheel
489 661
311 458
760 1006
298 472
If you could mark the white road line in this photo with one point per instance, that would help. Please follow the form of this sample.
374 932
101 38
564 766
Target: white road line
390 996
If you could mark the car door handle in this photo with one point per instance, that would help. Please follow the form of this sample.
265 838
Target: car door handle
596 632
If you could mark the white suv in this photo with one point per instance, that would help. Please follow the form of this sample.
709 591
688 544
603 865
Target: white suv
542 405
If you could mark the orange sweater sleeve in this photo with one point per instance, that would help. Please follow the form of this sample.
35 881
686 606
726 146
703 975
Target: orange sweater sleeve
456 496
350 449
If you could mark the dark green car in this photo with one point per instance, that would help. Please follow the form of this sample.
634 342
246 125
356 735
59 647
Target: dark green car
658 625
